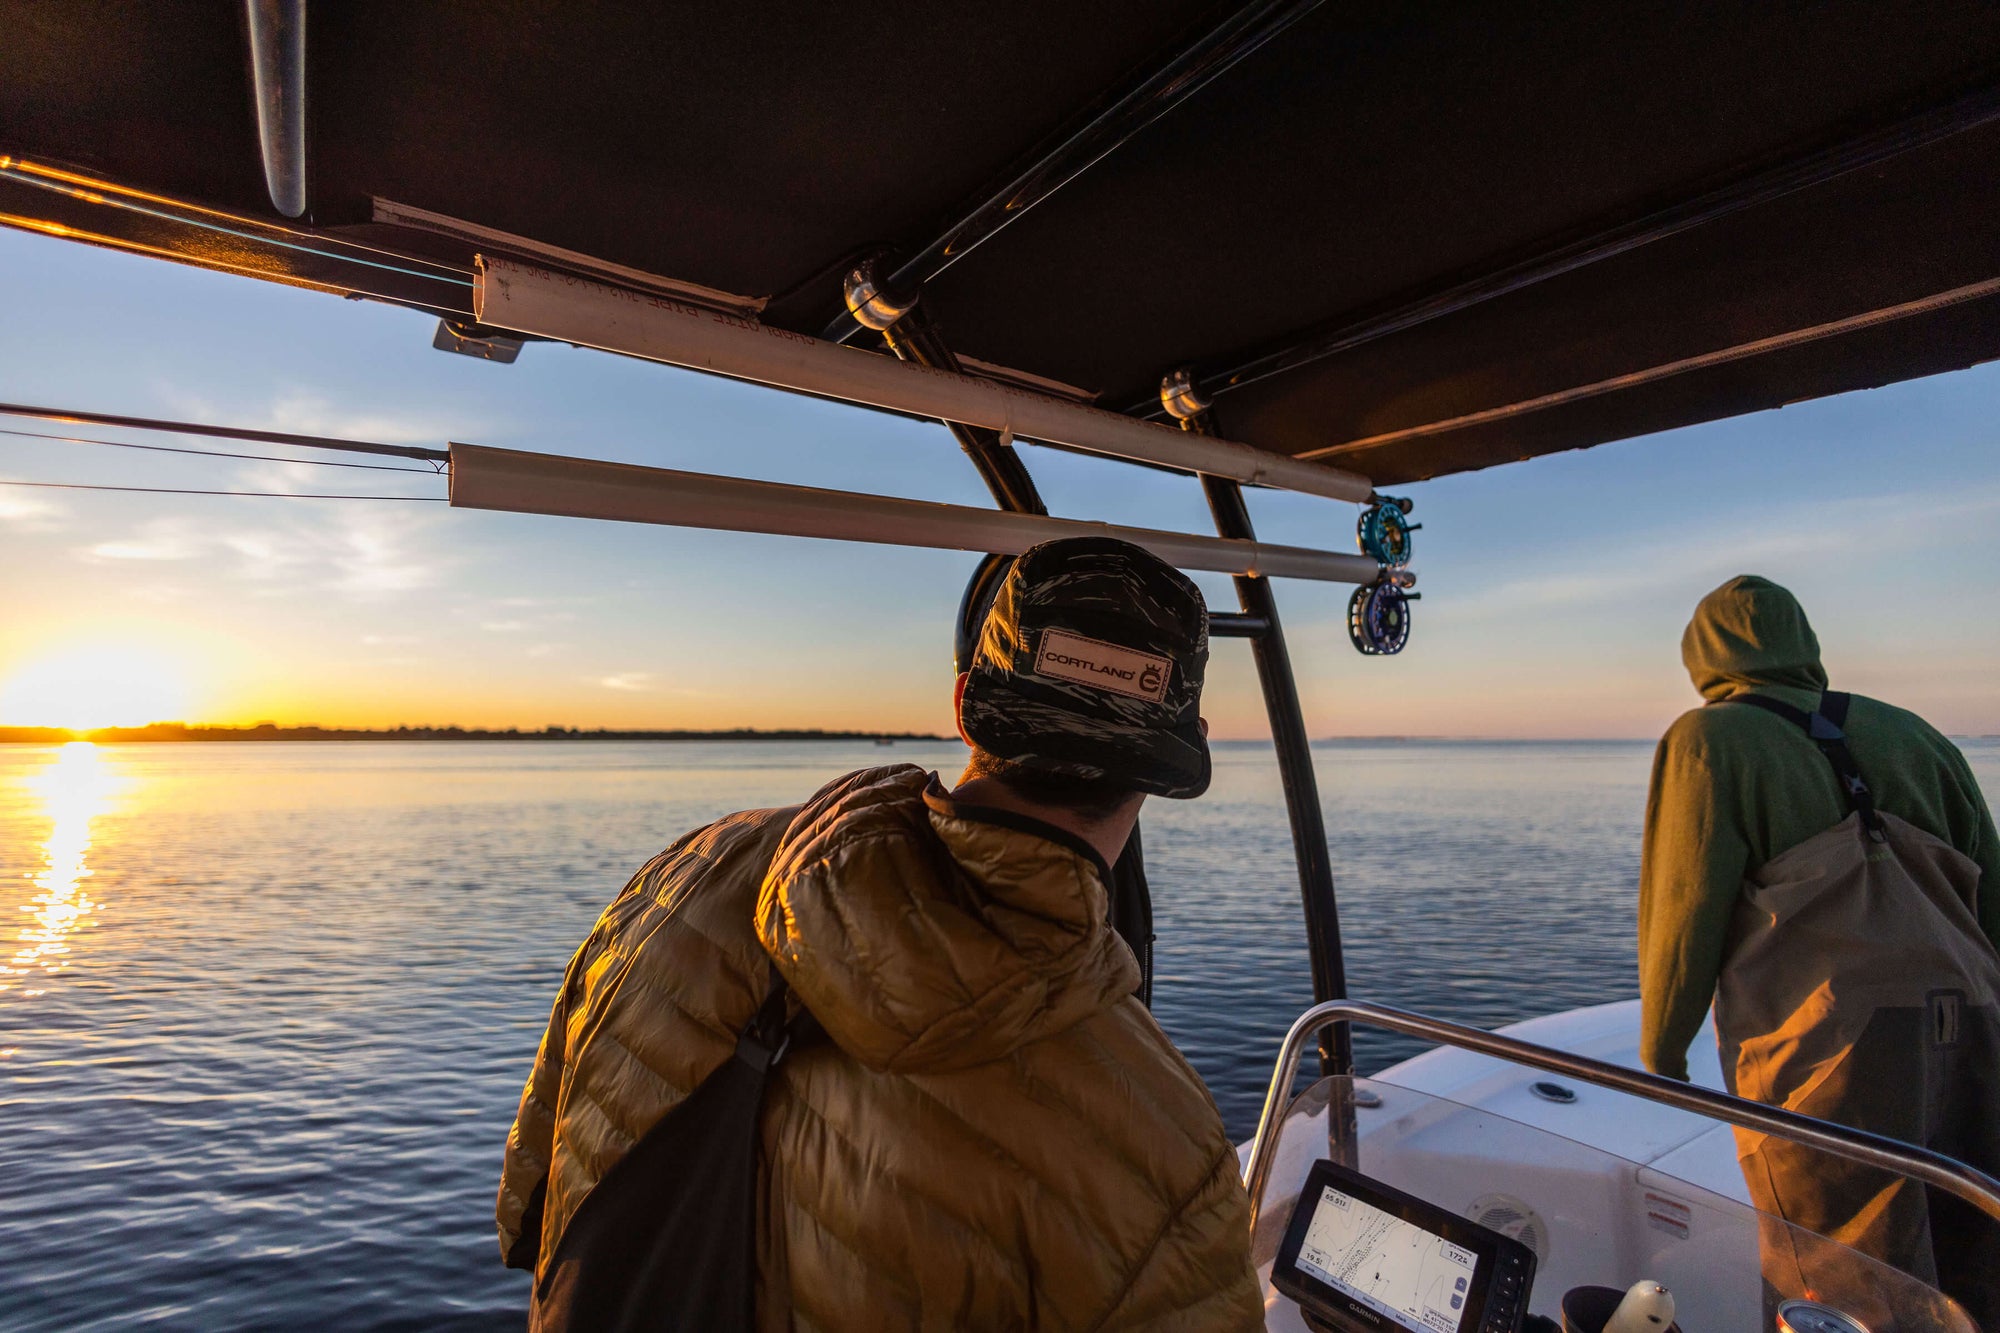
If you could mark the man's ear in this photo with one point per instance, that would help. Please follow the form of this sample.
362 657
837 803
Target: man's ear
1204 727
958 705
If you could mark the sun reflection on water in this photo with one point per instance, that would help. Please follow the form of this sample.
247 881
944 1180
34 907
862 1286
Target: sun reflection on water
75 789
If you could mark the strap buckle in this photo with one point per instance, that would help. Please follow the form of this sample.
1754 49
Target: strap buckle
753 1050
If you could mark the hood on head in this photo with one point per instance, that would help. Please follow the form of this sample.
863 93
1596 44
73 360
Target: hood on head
1747 635
925 940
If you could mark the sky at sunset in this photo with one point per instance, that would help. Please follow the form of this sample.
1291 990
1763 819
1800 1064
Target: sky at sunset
1554 590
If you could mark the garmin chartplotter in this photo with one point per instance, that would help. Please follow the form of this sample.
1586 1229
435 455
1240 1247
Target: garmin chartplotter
1360 1257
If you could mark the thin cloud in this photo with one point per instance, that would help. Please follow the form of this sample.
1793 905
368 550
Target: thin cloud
161 539
1819 531
302 411
363 555
158 594
27 511
360 554
628 680
140 551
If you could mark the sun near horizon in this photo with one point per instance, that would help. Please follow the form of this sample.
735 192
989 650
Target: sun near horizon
98 683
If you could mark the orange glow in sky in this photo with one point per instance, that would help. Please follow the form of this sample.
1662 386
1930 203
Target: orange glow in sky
104 683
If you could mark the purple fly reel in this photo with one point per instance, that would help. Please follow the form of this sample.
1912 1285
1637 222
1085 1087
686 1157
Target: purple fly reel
1378 619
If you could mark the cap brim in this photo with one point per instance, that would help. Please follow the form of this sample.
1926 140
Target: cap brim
1003 721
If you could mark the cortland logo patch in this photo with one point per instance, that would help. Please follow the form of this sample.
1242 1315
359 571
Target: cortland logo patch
1071 657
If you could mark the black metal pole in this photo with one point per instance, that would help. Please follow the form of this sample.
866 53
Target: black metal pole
1288 732
915 338
1236 625
1118 116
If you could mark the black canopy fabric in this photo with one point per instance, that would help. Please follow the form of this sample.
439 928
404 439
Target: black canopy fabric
1366 158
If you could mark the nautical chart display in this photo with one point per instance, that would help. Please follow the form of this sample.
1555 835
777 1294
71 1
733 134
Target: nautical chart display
1396 1268
1360 1256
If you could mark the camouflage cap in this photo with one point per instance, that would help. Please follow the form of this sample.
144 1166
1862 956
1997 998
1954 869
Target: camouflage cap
1090 664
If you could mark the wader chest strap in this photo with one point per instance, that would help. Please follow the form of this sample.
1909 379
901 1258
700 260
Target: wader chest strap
1825 727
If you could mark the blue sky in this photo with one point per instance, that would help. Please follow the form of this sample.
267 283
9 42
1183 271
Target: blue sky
1555 590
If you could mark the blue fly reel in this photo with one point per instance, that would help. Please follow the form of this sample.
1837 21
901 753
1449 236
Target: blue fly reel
1383 532
1378 619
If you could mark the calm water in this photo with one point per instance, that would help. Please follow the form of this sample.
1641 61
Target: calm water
267 1008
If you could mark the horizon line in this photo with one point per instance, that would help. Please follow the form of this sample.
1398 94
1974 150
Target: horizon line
12 733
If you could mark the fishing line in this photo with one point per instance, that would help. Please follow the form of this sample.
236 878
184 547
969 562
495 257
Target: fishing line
221 453
248 495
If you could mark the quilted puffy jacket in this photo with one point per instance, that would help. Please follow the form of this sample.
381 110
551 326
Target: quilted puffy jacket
995 1135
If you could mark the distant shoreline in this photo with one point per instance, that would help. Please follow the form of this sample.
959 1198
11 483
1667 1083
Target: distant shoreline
175 731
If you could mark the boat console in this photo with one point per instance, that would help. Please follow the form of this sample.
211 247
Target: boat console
1382 1205
1360 1256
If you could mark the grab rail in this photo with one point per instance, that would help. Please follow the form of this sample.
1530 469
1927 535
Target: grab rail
1932 1168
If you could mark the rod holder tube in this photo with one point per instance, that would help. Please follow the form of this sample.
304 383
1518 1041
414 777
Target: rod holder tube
533 483
1932 1168
278 75
509 295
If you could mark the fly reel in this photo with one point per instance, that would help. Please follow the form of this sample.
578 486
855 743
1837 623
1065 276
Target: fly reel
1383 531
1378 618
1378 615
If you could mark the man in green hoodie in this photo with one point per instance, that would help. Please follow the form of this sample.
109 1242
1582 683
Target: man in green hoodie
1747 825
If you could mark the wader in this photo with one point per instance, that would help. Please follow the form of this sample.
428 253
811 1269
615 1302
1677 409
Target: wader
1859 989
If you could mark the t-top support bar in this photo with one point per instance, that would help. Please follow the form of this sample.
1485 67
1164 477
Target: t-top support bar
1295 770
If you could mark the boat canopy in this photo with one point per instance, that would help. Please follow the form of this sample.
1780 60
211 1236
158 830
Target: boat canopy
1403 240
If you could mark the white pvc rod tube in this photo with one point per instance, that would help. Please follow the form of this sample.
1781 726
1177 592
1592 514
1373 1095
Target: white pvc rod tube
530 483
514 296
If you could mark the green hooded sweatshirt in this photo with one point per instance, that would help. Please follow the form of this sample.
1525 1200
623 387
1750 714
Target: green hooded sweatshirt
1734 787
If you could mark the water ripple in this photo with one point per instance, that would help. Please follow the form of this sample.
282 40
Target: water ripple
269 1006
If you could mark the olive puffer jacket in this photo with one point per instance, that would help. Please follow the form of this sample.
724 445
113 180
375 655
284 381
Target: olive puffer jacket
996 1136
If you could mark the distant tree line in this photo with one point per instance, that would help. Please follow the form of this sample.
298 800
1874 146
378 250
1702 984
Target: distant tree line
270 731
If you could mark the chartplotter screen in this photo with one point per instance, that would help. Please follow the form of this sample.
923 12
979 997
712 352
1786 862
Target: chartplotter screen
1415 1277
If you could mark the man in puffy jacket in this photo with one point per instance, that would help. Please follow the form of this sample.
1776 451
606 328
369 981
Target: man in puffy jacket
994 1133
1845 931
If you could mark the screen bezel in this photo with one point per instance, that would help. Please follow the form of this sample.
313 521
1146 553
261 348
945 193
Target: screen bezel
1320 1298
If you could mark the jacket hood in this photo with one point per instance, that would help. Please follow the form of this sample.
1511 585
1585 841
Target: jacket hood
925 936
1749 635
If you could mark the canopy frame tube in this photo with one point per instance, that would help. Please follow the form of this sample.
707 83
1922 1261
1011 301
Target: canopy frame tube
1818 167
1123 114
